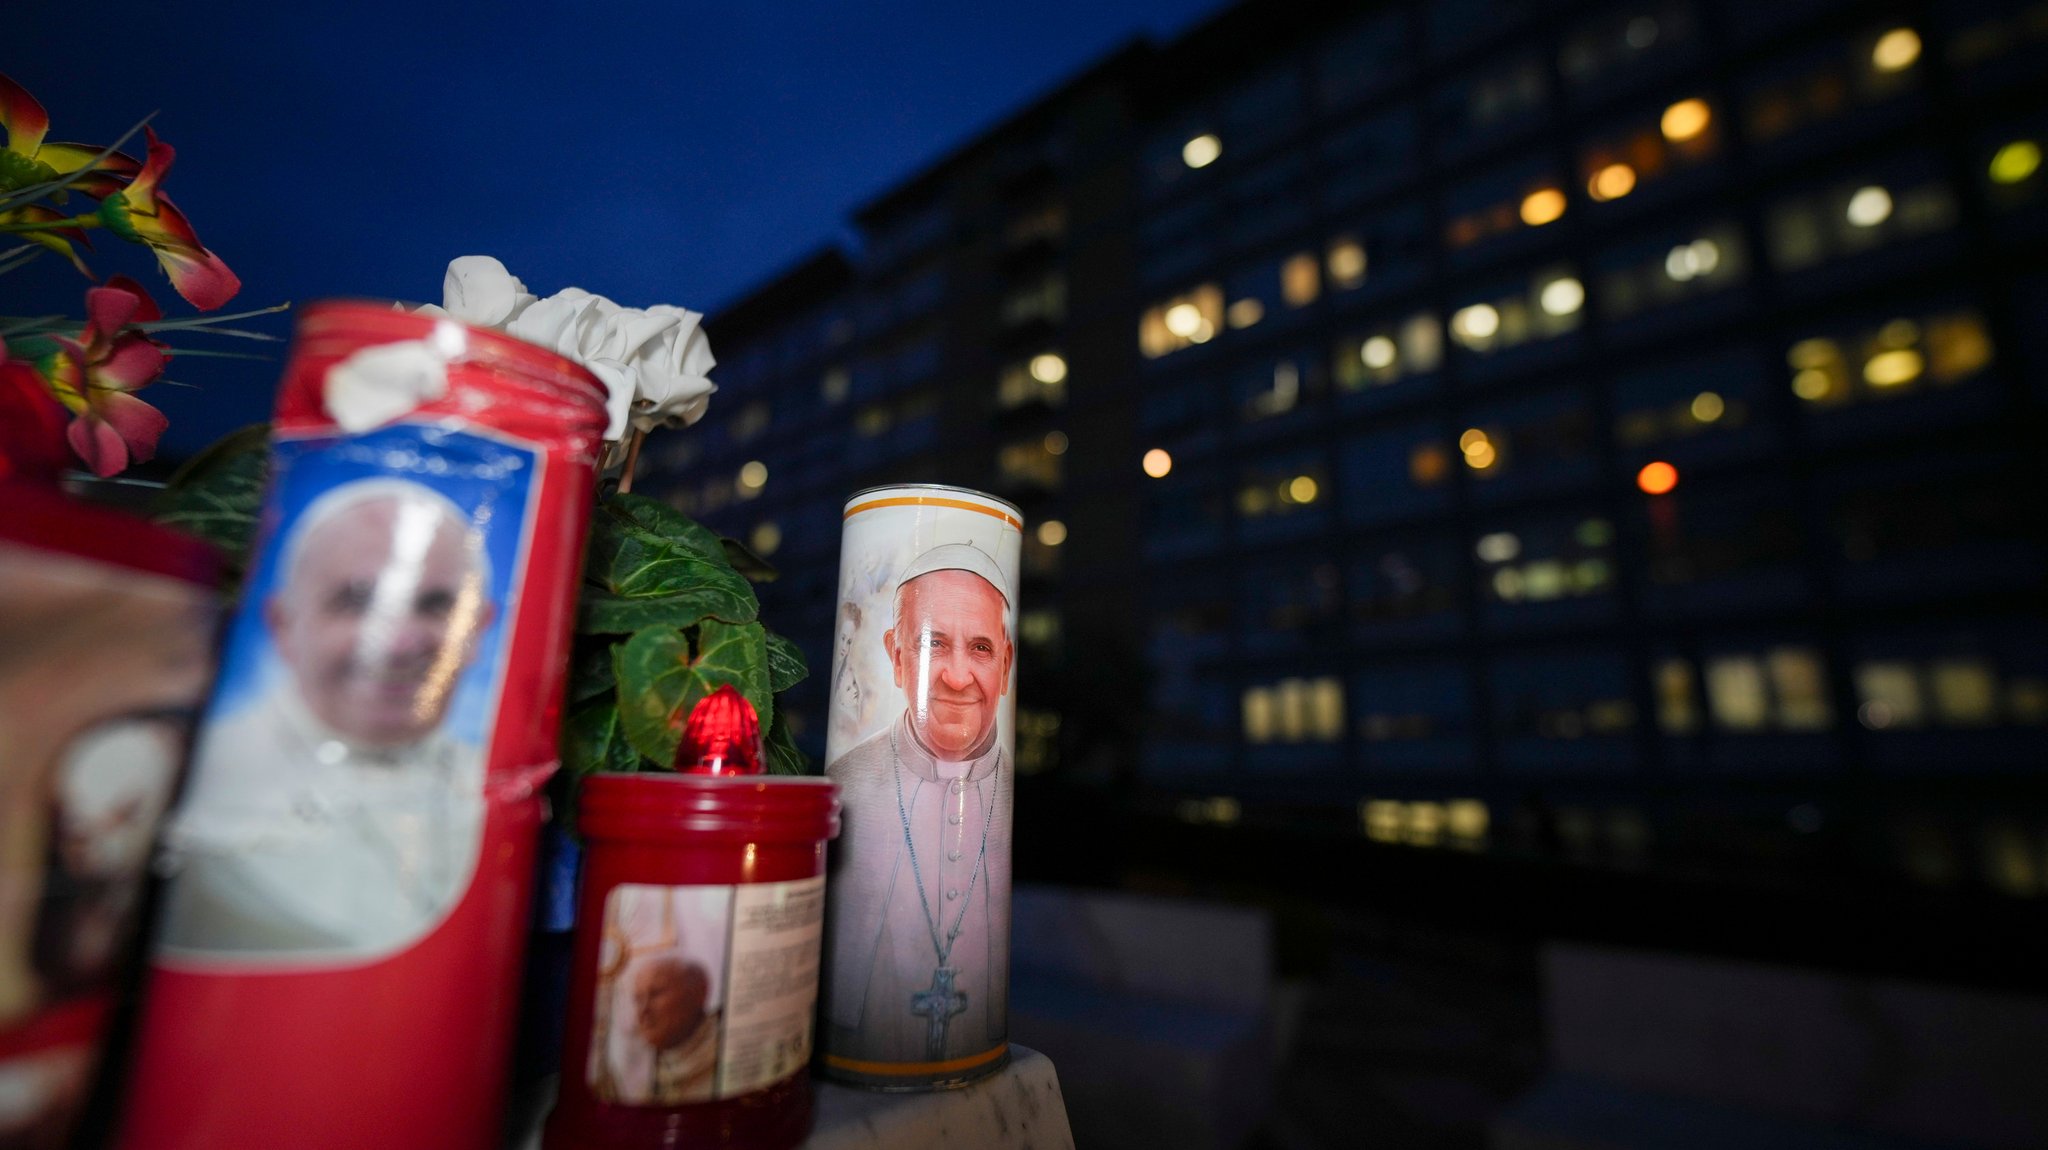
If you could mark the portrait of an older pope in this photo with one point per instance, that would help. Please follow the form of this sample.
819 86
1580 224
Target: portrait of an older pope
334 812
918 940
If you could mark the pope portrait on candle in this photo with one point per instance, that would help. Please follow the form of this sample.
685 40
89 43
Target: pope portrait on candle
918 968
334 810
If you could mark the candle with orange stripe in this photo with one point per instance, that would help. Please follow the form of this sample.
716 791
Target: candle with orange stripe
916 981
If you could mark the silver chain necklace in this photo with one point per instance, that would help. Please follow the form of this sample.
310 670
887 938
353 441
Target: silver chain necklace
931 921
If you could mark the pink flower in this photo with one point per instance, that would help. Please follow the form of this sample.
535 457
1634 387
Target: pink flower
94 374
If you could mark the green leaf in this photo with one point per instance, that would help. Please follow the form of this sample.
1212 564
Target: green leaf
662 675
658 518
786 666
218 494
784 758
647 565
744 561
593 740
590 670
600 613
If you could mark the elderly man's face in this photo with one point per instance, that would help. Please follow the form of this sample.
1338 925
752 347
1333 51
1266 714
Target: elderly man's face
951 654
377 619
668 1002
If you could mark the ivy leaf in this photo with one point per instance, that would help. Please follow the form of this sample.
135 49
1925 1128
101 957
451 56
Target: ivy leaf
784 757
662 675
218 494
786 666
594 740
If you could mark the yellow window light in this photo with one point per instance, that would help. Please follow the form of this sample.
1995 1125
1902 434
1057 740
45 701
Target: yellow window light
1201 151
1542 206
1869 207
1048 367
1562 297
1685 120
1158 463
1612 182
1896 50
1893 368
2016 162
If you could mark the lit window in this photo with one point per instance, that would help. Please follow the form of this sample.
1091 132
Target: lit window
1612 182
1965 692
1052 532
1736 693
1055 442
1201 151
1482 449
1190 319
1475 326
1677 713
1800 686
1158 463
1896 50
765 539
1892 359
1657 478
1029 464
1021 384
1542 206
1048 367
1869 207
2016 162
1888 695
1685 120
1562 296
752 478
1246 312
1346 263
1300 281
872 421
1390 354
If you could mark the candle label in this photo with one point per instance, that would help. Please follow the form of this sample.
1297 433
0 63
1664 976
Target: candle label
704 992
337 798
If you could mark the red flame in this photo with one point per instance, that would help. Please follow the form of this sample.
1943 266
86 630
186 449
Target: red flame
722 737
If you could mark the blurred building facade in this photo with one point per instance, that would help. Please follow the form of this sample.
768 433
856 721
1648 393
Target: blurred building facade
1588 431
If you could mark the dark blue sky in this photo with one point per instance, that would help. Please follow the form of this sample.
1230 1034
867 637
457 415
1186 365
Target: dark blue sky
652 152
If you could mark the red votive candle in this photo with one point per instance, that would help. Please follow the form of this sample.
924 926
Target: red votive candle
695 972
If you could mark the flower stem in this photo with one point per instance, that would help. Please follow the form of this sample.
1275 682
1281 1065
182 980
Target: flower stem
52 225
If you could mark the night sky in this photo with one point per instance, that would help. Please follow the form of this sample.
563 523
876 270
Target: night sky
651 152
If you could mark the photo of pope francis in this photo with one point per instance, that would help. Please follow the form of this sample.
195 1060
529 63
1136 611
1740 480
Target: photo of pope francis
918 947
335 811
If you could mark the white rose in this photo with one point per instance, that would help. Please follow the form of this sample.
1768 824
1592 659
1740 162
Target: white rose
478 290
654 363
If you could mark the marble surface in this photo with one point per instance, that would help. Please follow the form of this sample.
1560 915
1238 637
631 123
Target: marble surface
1018 1108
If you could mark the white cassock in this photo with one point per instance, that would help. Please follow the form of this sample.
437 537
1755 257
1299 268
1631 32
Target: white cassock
880 947
292 840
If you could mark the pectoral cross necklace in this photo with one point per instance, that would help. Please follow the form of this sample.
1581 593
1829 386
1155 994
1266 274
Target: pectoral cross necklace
940 1002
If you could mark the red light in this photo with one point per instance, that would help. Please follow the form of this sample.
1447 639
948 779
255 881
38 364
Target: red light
1657 478
722 737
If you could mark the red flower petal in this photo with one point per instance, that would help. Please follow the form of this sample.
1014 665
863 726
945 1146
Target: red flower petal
198 275
22 116
99 445
147 312
133 363
138 424
107 310
142 189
